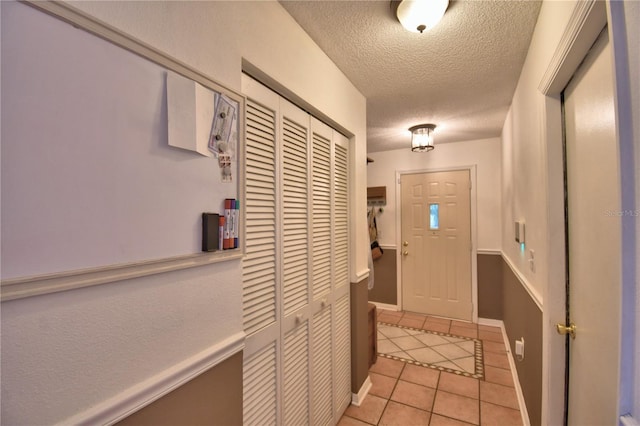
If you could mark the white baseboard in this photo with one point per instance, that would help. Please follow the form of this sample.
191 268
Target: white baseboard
385 306
514 372
491 322
144 393
358 398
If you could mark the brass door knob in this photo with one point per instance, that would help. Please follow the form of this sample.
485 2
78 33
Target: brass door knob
404 253
405 243
563 329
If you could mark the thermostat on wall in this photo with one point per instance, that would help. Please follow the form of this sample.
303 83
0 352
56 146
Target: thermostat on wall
519 231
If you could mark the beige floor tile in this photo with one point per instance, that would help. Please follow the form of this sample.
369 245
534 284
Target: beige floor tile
457 407
459 385
489 328
463 331
403 415
496 359
426 355
416 316
469 346
391 332
490 336
369 411
414 395
387 346
438 420
390 319
350 421
489 346
499 395
498 375
464 324
424 376
467 364
431 339
411 322
438 319
451 351
388 367
495 415
407 342
436 326
382 386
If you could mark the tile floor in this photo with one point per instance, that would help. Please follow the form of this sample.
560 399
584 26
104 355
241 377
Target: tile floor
407 394
431 348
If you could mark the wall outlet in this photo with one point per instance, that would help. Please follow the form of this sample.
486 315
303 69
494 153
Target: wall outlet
520 349
519 232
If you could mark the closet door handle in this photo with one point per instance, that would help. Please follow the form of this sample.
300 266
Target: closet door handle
404 253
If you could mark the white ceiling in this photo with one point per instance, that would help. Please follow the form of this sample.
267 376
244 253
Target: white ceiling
460 75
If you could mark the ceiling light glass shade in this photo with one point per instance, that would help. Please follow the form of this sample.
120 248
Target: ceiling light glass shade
422 137
420 15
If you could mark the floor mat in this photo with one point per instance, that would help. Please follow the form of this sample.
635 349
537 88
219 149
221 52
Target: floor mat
440 351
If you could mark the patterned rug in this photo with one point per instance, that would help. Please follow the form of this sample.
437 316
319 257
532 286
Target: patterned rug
440 351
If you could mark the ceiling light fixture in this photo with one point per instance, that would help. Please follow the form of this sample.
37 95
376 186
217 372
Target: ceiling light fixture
422 137
420 15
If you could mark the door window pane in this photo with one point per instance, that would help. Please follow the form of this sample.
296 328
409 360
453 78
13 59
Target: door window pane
434 216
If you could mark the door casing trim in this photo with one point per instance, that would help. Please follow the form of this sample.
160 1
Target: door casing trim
472 169
584 26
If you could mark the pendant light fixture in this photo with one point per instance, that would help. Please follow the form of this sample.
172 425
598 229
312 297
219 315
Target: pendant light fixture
422 137
420 15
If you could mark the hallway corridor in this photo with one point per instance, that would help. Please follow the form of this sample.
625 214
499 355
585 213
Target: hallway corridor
406 394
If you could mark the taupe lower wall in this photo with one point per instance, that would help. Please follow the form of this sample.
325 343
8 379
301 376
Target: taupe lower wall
359 335
212 398
490 286
385 288
523 318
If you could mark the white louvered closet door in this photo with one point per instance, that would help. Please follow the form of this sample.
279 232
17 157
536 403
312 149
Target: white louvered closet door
340 260
294 205
260 271
321 275
295 273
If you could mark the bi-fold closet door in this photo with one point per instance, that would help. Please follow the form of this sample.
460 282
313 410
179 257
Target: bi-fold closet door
295 272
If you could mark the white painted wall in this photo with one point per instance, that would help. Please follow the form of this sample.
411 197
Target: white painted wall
524 163
485 153
530 150
66 352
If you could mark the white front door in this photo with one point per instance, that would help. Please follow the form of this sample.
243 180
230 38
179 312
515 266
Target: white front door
594 238
436 244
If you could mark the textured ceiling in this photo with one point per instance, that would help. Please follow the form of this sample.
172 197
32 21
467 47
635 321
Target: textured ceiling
460 75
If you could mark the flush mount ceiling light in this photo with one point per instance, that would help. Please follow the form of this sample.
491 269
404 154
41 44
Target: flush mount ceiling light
422 137
420 15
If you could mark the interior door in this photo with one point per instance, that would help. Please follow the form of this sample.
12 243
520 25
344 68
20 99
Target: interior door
436 244
594 240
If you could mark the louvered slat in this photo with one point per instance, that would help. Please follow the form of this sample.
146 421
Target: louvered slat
340 215
259 265
321 219
321 367
294 212
296 376
259 388
342 339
